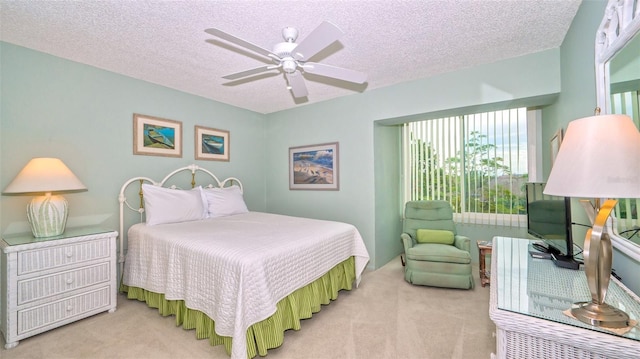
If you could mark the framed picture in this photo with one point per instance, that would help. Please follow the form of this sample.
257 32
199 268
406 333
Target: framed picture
211 144
314 167
556 140
156 136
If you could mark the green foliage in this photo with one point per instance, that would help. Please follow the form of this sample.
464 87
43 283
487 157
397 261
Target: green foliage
484 178
478 158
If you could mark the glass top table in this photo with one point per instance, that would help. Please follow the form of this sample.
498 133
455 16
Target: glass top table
537 288
27 238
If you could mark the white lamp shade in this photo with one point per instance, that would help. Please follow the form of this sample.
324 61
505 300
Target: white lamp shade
44 175
599 157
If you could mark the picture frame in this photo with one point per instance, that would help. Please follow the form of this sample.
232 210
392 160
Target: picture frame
155 136
314 167
212 144
556 141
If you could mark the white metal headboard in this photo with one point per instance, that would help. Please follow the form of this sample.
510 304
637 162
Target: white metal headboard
124 203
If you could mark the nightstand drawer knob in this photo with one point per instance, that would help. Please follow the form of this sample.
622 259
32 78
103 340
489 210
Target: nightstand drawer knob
69 280
69 254
69 308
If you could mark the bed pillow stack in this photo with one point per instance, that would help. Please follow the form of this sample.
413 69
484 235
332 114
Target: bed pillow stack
165 205
225 201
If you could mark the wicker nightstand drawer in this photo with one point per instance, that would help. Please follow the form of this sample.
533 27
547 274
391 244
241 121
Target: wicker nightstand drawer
54 257
53 281
54 312
62 282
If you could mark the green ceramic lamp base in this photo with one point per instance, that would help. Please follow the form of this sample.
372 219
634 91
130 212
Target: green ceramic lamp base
47 215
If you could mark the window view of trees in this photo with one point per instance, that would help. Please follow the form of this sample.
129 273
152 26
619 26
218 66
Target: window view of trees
474 169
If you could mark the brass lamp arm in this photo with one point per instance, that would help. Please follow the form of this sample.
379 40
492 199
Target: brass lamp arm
598 255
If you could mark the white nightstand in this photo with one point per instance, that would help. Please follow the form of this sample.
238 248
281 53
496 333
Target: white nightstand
50 282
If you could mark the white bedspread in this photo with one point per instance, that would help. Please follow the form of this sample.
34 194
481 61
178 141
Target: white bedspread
236 268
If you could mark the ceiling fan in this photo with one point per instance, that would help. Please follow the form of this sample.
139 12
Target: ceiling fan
291 58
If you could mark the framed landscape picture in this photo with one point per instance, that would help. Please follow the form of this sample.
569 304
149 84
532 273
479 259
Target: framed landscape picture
211 144
156 136
314 167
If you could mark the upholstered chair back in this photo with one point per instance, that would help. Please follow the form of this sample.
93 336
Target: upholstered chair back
427 215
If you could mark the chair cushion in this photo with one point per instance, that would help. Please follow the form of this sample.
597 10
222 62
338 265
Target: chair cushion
434 236
435 252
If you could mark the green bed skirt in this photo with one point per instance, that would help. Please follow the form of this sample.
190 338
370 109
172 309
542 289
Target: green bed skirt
268 333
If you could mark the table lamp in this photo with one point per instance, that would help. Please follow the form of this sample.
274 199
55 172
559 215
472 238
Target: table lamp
599 158
47 213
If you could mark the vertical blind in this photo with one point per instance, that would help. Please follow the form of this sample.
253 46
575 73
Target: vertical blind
627 208
476 162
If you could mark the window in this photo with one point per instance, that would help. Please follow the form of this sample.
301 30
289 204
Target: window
627 208
477 162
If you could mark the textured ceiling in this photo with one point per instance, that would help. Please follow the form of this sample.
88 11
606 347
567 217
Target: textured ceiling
392 41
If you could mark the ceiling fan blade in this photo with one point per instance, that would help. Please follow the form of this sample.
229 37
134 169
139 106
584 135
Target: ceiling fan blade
296 84
250 72
322 36
335 72
238 41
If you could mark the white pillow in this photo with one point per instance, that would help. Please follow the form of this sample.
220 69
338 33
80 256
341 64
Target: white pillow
225 201
165 205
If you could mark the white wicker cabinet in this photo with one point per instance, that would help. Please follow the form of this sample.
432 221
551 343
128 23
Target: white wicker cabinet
50 282
528 297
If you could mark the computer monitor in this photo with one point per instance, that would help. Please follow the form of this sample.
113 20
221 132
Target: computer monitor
549 219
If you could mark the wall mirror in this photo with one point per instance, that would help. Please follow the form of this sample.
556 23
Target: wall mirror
617 60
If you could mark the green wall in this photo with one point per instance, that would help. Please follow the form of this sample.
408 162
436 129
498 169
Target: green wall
625 66
55 107
578 74
577 100
367 198
51 107
387 143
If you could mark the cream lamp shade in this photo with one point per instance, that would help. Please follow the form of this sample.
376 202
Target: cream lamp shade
599 158
46 213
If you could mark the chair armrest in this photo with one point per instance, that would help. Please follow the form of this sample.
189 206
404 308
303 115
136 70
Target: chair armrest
407 241
463 243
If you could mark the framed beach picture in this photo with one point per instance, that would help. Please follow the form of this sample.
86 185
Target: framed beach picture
314 167
211 144
154 136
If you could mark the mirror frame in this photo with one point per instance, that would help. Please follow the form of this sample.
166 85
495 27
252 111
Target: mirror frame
621 22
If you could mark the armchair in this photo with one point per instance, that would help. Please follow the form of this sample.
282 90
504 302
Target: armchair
435 254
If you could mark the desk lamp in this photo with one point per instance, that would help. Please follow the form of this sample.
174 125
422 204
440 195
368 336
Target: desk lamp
47 213
599 158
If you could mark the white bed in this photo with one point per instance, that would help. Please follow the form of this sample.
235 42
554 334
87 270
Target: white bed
235 268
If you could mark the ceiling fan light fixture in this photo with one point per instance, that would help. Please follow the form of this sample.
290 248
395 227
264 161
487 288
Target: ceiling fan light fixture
289 65
294 57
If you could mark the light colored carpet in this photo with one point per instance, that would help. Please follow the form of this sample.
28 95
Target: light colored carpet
385 317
